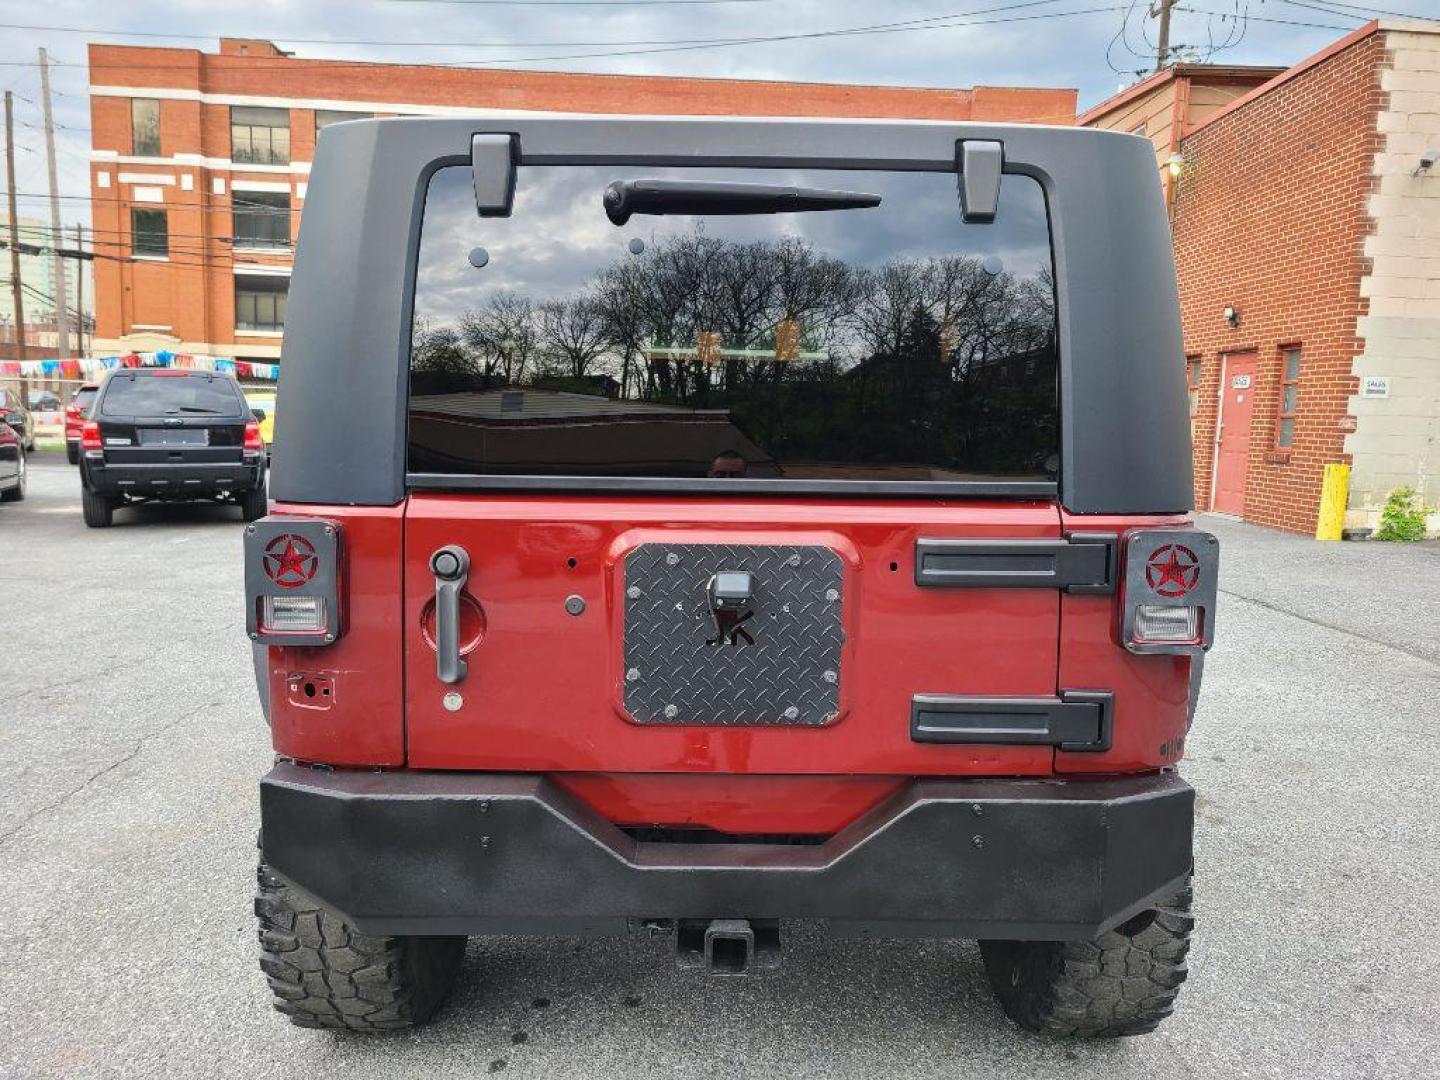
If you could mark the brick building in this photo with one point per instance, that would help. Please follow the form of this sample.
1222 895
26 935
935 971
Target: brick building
1306 228
200 160
1173 101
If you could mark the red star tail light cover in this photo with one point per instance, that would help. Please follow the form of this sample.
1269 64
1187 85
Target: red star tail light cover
1168 603
1172 570
290 560
294 587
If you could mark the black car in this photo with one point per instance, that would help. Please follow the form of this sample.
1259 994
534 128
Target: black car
164 435
15 413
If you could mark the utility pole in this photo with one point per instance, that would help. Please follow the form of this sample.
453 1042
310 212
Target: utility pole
80 295
62 312
16 291
1160 9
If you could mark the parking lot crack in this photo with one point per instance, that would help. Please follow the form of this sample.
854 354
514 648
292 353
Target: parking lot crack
127 756
1428 660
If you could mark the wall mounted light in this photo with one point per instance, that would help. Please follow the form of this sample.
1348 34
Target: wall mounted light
1427 162
1174 163
1232 315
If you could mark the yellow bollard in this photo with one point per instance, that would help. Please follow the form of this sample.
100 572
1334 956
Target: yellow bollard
1334 494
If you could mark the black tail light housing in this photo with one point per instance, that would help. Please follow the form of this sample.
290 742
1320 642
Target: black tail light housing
294 581
1168 594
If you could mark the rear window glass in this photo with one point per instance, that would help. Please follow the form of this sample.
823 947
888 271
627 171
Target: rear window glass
152 395
83 397
871 342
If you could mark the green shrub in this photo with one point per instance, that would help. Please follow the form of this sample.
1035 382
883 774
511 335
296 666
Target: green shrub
1403 519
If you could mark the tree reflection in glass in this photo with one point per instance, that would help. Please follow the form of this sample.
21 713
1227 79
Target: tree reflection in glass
892 342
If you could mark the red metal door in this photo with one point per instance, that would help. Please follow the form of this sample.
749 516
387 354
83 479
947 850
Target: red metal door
1237 395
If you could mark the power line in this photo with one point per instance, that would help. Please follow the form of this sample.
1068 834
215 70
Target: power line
562 44
118 238
1277 22
390 43
255 208
1327 6
193 260
936 22
581 3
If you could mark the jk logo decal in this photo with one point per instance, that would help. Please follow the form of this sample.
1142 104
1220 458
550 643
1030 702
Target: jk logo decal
727 626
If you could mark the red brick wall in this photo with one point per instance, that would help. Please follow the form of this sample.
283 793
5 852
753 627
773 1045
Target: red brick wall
121 65
197 297
1270 217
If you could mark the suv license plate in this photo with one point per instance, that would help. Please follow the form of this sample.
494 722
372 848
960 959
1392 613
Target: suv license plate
174 437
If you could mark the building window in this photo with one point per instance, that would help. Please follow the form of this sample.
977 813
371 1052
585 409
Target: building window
1193 367
260 302
261 219
259 136
145 127
325 117
149 234
1289 398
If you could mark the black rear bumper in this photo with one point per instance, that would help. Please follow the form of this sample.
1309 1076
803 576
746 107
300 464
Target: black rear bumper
481 853
173 480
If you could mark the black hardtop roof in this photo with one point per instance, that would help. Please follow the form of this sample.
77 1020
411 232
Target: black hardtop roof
1125 440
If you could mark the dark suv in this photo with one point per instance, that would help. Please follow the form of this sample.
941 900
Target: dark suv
167 435
686 526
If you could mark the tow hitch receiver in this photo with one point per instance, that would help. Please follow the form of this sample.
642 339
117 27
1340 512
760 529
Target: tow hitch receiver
728 946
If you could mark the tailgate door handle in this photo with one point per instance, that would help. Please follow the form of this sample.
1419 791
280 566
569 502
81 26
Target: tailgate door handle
1077 563
1078 720
451 567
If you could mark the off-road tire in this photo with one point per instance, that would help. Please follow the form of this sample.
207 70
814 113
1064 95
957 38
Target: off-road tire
72 453
255 503
1123 983
325 974
97 509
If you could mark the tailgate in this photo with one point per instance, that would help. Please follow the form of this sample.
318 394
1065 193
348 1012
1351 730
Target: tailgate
171 441
593 642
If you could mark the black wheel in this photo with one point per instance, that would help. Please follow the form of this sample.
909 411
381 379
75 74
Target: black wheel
324 974
1123 983
98 510
255 503
17 493
72 453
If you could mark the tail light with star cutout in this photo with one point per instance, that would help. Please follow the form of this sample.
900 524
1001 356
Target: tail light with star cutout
293 581
1168 603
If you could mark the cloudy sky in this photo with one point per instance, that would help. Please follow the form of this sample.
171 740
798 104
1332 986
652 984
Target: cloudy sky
924 42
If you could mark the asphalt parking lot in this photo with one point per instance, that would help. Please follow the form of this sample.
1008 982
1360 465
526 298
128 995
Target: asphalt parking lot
130 744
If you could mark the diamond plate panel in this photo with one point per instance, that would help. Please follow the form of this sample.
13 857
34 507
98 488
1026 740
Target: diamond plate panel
677 670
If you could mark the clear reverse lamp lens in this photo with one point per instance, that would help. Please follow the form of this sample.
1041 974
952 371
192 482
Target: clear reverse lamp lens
1156 623
293 614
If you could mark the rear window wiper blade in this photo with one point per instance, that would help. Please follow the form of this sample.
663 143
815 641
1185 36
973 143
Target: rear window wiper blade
624 198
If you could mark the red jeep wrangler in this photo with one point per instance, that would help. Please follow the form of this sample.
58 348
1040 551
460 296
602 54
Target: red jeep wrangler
689 525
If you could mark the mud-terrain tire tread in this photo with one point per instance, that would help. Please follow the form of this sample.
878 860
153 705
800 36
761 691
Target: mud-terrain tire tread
325 974
1123 983
97 510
